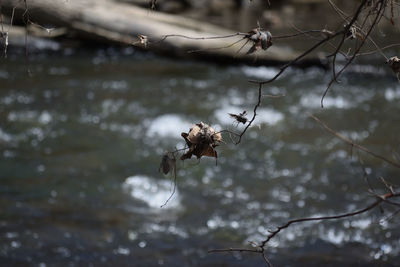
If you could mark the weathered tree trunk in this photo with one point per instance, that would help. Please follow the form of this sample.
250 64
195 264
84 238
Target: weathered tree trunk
116 22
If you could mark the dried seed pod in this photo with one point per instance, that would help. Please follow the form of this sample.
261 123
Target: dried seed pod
394 63
260 39
201 140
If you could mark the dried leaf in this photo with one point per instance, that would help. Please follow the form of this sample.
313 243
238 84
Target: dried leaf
209 152
167 163
252 49
194 134
201 140
260 39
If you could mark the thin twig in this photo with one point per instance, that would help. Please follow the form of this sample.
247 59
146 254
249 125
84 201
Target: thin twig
234 249
378 201
216 48
297 34
348 141
266 259
294 61
272 233
173 190
336 75
377 50
254 114
200 38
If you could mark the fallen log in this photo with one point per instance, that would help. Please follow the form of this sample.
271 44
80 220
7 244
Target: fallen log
120 23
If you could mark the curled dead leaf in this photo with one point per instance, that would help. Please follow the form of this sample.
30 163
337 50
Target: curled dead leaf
167 163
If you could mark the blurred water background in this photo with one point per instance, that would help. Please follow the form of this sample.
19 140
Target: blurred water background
82 137
82 132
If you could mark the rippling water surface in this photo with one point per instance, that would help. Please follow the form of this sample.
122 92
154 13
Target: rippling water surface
81 141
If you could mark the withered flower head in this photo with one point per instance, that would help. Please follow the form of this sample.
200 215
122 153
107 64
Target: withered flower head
201 140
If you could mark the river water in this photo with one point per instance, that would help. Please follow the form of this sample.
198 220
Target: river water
81 139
